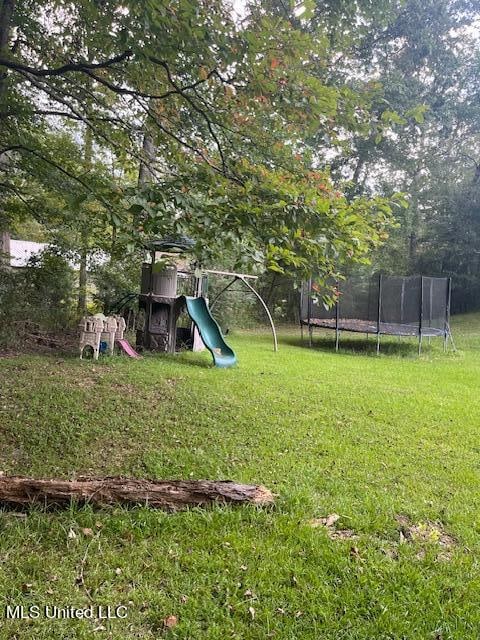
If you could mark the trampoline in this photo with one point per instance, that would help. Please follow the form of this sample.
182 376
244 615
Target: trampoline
415 306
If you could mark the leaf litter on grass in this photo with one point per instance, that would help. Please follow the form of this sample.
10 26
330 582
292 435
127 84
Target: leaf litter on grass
420 534
328 522
426 533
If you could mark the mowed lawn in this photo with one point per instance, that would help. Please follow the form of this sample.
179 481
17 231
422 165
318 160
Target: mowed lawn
390 444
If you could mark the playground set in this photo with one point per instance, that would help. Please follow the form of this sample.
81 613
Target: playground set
176 315
172 294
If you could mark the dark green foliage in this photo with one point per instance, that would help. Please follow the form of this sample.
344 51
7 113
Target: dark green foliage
38 297
227 108
425 56
114 280
49 286
12 303
48 289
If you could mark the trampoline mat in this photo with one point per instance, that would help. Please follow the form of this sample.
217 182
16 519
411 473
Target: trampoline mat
366 326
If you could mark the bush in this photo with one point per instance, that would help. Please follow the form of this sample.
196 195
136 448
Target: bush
50 290
114 280
41 294
12 304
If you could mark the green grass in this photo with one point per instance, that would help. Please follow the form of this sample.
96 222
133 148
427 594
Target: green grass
362 436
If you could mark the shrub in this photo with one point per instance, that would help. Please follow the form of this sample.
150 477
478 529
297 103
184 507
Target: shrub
41 294
113 280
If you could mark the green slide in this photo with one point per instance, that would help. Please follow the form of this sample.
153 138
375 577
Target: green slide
210 332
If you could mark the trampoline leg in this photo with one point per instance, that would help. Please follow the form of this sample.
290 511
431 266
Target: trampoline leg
301 332
378 344
452 341
310 335
445 343
420 345
337 338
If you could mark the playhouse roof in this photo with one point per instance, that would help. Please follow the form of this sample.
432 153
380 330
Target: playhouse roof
179 243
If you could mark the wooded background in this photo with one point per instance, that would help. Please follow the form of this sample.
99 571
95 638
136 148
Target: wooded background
298 138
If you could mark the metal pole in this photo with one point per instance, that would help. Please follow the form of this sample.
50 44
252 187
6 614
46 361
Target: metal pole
447 314
255 292
402 301
337 332
420 319
430 302
301 310
379 311
264 305
309 310
222 291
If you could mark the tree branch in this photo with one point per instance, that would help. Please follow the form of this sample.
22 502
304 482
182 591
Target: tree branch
83 67
195 107
5 185
21 148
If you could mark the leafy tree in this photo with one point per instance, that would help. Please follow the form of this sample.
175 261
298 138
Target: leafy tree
48 286
422 136
230 112
114 279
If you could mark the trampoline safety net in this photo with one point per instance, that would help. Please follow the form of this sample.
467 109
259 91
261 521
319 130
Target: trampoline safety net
391 305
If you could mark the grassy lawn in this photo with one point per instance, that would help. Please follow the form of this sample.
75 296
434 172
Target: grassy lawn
391 444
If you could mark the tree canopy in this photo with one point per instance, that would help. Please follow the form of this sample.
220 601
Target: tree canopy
284 138
221 120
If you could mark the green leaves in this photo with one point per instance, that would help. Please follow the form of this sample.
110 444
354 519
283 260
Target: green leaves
417 113
223 118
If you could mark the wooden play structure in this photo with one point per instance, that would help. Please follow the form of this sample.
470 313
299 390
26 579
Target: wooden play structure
173 307
172 285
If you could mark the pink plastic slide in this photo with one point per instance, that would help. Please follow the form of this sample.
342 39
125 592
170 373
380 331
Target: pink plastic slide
127 348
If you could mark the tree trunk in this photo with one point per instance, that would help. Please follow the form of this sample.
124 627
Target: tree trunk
82 279
157 494
84 236
412 249
358 169
6 14
148 151
5 248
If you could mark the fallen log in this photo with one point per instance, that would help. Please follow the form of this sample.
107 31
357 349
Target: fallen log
170 495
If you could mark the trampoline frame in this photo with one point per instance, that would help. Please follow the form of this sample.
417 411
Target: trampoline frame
377 327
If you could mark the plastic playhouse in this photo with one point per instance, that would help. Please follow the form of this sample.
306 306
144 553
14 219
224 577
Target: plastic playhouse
101 333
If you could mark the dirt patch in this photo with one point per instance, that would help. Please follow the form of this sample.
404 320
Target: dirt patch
32 339
328 523
125 388
86 383
426 533
5 353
